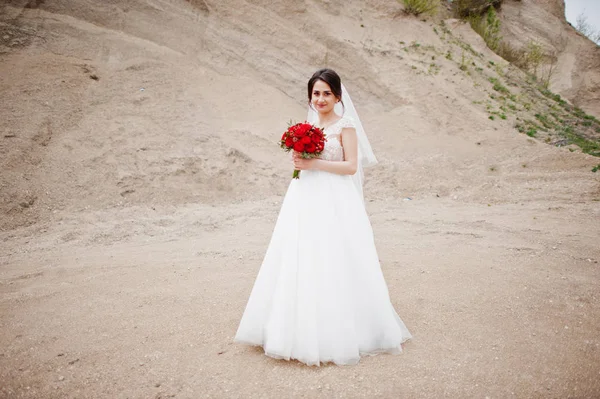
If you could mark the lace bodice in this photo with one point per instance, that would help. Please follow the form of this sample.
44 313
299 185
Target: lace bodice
333 150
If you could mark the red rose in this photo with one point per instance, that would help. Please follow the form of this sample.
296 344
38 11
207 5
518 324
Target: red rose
289 142
311 148
316 138
299 146
306 140
301 129
306 128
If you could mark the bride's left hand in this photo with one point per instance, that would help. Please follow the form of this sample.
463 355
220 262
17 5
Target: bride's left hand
301 163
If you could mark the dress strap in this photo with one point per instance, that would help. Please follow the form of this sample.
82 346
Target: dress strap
346 121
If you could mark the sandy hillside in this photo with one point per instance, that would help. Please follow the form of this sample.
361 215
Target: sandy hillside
576 59
140 181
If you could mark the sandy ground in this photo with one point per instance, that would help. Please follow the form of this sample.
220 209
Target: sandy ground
502 301
140 181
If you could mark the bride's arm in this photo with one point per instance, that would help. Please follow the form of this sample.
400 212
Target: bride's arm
346 167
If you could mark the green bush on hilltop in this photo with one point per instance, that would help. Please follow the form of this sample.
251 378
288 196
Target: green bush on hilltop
488 27
418 7
468 8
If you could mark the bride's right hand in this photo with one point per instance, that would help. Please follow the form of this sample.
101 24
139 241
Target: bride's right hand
301 163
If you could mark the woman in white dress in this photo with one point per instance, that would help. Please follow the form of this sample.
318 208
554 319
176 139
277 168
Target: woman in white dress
320 295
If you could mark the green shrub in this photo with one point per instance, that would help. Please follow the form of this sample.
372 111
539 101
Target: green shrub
533 56
586 145
418 7
488 27
498 86
544 120
528 127
510 53
467 8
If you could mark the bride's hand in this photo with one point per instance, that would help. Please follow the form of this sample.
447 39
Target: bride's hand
301 163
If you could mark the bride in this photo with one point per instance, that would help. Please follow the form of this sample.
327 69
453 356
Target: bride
320 295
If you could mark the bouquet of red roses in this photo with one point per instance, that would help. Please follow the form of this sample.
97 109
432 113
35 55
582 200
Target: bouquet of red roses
304 138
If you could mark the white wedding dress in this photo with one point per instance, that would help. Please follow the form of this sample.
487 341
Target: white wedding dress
320 295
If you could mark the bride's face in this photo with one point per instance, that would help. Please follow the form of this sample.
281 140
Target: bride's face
322 97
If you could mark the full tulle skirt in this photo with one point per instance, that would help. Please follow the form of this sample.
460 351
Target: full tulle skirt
320 295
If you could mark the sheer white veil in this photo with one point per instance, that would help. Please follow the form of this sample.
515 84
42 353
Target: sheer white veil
366 157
